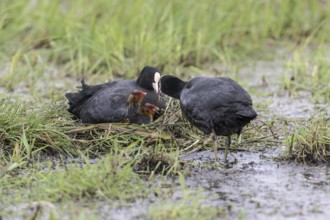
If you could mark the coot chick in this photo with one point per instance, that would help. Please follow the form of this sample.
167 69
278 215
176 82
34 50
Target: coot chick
140 113
217 106
144 115
107 102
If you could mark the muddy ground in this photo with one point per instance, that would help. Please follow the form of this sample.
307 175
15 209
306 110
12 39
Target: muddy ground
258 187
262 188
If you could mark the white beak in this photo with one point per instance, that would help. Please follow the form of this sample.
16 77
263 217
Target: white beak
156 81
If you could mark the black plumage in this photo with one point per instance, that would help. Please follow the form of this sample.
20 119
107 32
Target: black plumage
108 102
214 105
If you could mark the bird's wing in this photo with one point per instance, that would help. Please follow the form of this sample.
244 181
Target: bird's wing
107 105
77 99
212 93
204 96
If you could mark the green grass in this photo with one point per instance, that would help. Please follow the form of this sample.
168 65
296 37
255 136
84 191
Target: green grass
115 38
309 70
311 142
110 178
27 130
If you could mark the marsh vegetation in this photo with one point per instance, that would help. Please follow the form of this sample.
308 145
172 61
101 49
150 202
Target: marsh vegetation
54 166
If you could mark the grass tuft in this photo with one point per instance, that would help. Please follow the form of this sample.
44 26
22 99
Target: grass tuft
25 130
311 142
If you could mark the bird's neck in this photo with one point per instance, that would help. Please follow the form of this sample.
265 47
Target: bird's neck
176 90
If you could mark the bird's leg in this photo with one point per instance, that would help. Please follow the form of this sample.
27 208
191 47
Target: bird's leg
239 137
227 149
214 138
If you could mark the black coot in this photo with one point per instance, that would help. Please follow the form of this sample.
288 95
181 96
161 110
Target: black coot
218 106
108 102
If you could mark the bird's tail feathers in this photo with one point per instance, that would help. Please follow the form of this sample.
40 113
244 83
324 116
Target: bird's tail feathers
73 97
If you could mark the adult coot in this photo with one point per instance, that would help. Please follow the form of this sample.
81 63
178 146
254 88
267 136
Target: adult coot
108 102
217 106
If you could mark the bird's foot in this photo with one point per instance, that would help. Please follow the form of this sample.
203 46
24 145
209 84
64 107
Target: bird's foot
226 163
235 159
230 164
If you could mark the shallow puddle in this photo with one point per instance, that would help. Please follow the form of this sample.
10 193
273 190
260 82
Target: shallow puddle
261 188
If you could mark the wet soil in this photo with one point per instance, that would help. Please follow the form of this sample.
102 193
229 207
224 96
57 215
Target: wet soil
263 188
258 187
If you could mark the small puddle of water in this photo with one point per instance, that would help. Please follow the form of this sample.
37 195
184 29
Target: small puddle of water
262 188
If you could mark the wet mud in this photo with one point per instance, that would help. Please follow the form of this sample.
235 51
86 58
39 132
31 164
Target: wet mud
260 187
